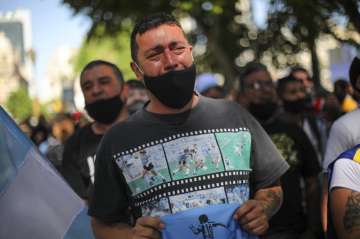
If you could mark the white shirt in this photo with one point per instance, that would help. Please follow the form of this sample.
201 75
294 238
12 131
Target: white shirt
346 174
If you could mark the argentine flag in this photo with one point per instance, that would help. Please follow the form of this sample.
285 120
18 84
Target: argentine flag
35 202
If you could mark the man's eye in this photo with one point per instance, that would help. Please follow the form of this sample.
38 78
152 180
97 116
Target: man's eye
86 87
154 54
179 50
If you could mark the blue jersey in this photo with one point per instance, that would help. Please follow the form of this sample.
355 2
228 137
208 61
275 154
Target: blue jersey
351 154
212 222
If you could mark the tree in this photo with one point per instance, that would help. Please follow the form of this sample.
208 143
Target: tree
296 25
223 30
113 48
19 104
214 20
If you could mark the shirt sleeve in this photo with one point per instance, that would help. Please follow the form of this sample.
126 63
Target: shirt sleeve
110 200
346 174
267 163
337 143
71 166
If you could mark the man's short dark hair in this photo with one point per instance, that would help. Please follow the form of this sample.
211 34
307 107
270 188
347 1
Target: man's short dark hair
354 72
295 69
283 82
92 64
248 69
135 84
147 23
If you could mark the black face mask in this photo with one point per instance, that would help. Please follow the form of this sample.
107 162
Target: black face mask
135 106
263 111
174 88
106 110
296 106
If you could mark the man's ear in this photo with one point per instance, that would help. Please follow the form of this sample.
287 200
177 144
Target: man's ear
136 71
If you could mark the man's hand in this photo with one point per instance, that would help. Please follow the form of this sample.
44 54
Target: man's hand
254 214
251 216
147 227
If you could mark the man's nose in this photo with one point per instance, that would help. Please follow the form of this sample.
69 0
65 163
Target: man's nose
169 61
97 90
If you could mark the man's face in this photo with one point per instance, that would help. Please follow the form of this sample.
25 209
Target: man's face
135 94
259 88
98 83
294 91
162 49
305 78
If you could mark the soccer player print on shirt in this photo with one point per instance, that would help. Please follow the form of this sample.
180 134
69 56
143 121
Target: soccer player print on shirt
235 148
197 199
193 156
188 171
145 168
206 228
157 208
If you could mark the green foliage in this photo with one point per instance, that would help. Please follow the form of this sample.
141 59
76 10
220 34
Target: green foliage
113 48
225 30
19 104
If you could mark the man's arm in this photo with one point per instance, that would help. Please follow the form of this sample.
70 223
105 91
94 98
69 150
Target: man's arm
106 231
345 209
324 202
312 195
254 214
145 228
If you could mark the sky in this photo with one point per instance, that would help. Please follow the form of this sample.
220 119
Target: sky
53 25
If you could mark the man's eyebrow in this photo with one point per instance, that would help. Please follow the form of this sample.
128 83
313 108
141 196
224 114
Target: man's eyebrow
104 78
155 48
159 47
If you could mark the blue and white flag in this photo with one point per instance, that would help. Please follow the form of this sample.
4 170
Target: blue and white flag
211 222
35 202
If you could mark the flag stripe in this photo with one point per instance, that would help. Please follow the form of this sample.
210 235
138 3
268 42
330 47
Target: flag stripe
80 228
38 202
35 202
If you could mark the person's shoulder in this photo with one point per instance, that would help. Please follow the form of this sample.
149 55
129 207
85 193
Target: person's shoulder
348 168
78 133
121 129
348 117
221 104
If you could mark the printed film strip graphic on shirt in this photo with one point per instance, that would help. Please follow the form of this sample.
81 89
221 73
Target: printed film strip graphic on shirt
176 136
192 184
181 170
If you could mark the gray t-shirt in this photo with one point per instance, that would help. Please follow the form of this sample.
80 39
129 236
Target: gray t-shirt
344 134
215 153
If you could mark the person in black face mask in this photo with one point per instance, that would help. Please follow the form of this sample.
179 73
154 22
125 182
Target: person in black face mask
177 136
102 85
292 93
136 95
258 95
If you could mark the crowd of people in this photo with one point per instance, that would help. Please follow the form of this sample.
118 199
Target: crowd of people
154 146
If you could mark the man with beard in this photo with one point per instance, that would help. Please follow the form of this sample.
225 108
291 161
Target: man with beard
292 93
175 118
136 95
102 85
291 221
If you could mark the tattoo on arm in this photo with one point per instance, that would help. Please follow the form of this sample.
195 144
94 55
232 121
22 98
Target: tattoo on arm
351 218
272 204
